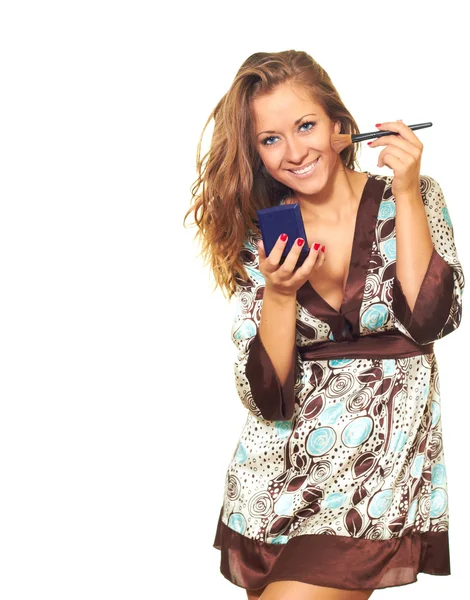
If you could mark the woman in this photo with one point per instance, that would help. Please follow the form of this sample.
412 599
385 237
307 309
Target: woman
337 486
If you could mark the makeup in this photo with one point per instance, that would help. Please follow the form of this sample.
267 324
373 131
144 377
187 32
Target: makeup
339 141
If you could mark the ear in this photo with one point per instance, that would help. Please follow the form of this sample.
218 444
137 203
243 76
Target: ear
338 127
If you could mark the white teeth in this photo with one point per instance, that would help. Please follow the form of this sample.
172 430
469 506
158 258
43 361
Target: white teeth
307 169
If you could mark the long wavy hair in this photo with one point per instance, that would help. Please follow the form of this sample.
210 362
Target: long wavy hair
232 182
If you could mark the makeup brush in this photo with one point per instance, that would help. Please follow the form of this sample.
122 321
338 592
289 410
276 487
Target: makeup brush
339 141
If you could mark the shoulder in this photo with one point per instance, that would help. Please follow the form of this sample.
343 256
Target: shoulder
429 187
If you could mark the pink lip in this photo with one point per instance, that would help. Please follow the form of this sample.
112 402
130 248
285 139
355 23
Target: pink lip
303 166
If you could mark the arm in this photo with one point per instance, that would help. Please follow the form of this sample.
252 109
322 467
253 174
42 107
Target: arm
268 365
429 281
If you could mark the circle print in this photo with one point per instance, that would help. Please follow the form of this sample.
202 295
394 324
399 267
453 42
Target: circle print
241 454
438 502
359 401
233 487
357 432
390 249
246 330
335 500
320 441
246 301
340 362
372 286
237 522
380 503
320 472
332 414
386 209
425 505
325 530
280 539
435 412
340 385
283 505
283 428
417 466
260 505
375 316
438 474
445 214
375 532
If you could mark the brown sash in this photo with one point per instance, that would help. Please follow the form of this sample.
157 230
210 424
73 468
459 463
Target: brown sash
380 345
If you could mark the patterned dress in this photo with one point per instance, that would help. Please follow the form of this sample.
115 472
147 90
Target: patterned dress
338 478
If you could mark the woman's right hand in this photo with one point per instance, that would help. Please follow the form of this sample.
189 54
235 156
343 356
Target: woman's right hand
282 279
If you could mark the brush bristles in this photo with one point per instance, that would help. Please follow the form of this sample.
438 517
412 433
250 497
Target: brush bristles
340 141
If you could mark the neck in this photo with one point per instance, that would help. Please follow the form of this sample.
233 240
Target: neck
337 201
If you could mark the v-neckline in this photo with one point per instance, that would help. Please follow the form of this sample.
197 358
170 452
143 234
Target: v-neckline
353 247
364 231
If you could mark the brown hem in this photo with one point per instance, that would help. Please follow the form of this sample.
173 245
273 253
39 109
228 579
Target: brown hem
433 303
275 401
341 562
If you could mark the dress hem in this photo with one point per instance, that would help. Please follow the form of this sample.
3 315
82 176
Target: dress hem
347 563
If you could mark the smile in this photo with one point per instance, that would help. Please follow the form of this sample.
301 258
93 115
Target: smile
306 171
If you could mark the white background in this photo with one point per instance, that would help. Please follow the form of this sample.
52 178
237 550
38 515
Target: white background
119 413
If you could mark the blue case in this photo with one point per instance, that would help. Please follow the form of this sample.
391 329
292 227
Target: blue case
285 218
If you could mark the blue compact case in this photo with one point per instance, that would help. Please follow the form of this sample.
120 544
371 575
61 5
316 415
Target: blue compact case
285 218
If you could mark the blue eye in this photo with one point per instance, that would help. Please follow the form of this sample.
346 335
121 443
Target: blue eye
312 123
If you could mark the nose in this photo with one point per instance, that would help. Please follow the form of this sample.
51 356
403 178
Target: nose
295 151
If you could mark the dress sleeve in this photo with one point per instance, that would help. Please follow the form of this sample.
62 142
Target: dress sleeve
257 383
438 308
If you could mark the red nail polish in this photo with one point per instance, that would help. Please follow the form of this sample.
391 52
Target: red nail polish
369 143
323 248
378 124
316 246
283 237
300 242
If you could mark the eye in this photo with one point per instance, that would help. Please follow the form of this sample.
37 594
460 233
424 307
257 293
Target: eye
312 123
265 141
271 137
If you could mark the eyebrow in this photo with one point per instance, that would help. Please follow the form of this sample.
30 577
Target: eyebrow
296 123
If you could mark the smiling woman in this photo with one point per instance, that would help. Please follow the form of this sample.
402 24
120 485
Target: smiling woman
337 485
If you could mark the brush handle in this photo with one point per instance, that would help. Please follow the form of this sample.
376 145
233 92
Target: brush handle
360 137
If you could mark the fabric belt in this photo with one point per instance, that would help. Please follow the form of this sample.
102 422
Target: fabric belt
380 345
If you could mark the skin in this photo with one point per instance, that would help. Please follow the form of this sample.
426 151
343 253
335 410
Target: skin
402 153
329 198
295 590
328 202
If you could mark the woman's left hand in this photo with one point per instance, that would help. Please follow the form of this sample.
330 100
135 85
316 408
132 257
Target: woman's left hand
402 154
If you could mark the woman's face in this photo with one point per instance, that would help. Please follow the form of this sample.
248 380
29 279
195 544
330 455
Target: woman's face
291 132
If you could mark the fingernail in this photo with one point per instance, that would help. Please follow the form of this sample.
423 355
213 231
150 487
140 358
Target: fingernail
300 242
316 246
369 143
284 237
323 248
378 124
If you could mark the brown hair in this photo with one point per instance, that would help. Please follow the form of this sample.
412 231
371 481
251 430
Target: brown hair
233 182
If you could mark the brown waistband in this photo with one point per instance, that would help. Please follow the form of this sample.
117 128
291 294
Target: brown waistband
380 345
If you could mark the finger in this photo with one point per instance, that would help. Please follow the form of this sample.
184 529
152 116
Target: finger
400 127
272 261
395 141
321 259
293 256
394 163
403 157
313 257
261 252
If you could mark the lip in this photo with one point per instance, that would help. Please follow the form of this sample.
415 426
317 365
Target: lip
304 175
